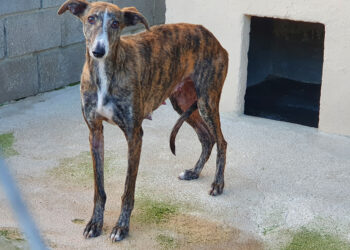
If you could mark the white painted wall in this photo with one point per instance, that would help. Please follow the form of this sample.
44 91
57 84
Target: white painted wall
229 20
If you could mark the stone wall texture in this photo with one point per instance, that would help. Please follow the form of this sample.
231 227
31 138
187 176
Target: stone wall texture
41 51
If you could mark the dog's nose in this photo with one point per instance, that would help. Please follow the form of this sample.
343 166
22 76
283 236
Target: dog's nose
99 52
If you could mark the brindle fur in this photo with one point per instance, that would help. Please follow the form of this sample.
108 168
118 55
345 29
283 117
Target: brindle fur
182 61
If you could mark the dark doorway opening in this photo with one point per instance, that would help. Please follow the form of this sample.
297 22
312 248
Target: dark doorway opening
285 62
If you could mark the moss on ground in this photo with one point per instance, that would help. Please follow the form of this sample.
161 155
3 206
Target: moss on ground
176 229
78 221
6 145
12 239
154 212
166 241
312 240
11 234
79 168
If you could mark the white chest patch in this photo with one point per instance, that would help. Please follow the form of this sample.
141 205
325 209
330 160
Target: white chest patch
107 109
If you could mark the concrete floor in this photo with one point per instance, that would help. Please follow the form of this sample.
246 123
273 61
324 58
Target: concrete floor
280 177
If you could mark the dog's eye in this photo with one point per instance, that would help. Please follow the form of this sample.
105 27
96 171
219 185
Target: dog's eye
115 24
91 19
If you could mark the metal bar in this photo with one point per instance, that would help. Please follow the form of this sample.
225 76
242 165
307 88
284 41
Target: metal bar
25 220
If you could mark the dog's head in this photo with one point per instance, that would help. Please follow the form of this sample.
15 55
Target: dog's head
103 23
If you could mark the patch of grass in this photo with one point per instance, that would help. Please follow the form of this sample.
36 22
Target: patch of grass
11 234
166 241
312 240
150 211
12 239
6 145
79 168
78 221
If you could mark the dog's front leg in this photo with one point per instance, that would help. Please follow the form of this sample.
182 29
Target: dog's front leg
94 227
134 150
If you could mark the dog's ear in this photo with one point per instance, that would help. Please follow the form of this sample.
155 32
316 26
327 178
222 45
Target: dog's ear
132 17
76 7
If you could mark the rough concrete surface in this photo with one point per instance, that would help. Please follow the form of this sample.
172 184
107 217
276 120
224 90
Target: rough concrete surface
280 177
47 32
59 66
8 7
18 77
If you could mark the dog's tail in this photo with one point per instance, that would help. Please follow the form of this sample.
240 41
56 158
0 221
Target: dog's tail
179 123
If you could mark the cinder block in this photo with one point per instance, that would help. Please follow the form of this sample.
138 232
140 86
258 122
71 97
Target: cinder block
32 32
60 67
72 30
159 11
145 7
19 78
13 6
2 40
52 3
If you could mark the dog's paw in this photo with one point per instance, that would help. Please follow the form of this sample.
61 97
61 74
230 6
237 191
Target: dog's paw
119 233
93 229
188 175
216 189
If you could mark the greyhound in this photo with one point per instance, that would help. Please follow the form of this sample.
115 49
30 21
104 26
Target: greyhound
125 78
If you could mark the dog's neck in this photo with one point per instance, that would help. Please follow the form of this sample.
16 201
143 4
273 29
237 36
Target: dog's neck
102 72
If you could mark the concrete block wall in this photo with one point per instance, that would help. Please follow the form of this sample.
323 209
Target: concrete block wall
41 51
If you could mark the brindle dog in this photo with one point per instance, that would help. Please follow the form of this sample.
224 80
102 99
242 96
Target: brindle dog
125 78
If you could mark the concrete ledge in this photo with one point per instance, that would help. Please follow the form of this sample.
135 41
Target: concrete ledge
19 78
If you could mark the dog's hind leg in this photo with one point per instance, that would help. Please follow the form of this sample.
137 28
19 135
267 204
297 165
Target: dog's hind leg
209 80
94 227
181 100
212 118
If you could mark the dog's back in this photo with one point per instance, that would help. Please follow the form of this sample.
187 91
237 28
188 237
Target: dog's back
171 52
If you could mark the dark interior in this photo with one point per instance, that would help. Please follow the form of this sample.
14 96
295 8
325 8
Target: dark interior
285 61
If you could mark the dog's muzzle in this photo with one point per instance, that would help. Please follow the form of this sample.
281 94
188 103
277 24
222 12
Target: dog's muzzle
99 52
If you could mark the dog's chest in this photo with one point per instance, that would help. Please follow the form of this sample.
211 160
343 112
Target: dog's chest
103 108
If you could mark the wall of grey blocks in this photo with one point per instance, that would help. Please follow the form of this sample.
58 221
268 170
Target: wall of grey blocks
41 51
